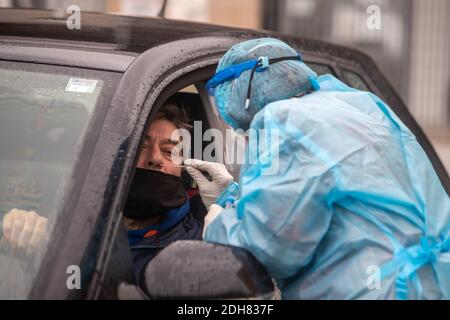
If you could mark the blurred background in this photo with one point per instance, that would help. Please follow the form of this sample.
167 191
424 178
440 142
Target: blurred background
411 45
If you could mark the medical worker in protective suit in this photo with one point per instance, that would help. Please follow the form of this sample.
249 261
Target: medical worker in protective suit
355 209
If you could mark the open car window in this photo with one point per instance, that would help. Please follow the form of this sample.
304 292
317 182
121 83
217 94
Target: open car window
354 80
320 68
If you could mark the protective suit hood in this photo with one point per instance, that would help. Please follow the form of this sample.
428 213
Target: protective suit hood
278 81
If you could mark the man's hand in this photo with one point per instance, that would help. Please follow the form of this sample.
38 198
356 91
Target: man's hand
24 229
209 190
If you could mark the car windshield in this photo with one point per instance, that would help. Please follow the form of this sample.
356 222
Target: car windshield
44 112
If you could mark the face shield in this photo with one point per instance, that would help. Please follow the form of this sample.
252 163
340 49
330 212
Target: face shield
225 75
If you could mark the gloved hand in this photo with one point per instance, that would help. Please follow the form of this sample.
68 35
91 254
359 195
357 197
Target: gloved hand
209 190
24 229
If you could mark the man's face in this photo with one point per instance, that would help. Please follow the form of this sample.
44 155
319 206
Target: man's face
156 153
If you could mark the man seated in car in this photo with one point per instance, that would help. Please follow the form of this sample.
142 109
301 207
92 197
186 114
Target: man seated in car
160 209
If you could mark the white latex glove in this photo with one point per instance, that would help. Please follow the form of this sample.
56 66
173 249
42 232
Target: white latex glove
214 211
24 229
209 190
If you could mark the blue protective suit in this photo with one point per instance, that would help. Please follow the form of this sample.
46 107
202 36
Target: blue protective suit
356 209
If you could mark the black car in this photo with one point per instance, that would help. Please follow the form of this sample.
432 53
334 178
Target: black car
74 105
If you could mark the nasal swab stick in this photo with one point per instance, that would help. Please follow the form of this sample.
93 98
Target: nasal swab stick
174 165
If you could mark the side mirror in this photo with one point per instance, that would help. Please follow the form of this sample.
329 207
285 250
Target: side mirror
201 270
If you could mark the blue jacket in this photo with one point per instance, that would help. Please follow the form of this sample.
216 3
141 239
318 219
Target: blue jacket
186 224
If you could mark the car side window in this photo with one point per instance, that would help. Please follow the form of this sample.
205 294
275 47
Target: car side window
320 68
354 80
44 112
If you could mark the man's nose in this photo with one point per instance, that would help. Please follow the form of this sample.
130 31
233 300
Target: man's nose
154 158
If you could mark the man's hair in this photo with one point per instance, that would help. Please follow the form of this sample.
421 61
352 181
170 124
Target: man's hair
174 114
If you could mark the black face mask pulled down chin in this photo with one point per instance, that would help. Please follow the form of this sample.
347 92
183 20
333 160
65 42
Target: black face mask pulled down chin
153 193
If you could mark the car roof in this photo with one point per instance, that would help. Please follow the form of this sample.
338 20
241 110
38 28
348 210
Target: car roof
127 34
100 31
